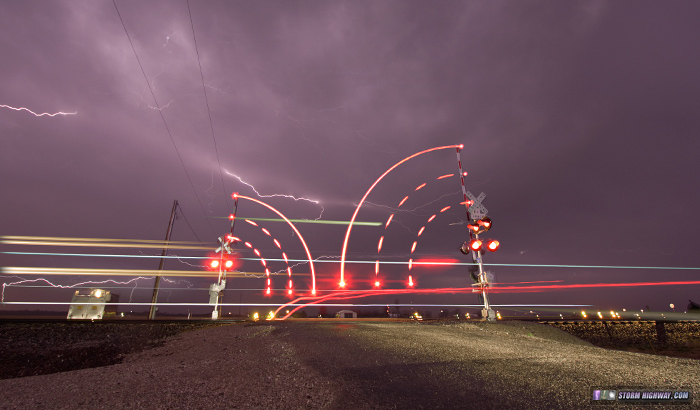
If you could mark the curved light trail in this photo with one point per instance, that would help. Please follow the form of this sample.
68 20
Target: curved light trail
357 210
301 238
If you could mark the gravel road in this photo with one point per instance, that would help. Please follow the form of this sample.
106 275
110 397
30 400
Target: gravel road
356 365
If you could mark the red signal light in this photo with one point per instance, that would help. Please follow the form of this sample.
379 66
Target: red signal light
475 245
492 245
228 264
214 264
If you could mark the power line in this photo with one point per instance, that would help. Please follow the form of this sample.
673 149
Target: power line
206 98
162 117
188 222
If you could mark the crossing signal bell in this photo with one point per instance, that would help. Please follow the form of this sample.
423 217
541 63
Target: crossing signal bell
480 226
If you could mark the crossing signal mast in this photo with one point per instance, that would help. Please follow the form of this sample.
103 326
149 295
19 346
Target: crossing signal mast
223 262
478 223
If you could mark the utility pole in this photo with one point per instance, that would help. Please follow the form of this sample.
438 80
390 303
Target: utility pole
152 313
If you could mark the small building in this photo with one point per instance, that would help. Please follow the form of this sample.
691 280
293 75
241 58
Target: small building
346 314
89 305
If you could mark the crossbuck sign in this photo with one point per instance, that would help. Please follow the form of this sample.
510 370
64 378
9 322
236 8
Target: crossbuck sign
477 210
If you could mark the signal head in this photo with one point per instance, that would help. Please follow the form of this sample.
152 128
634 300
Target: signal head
492 245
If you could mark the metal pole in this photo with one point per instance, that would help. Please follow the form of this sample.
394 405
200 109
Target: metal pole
152 313
221 281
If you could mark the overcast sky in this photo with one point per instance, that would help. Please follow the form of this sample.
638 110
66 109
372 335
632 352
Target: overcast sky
579 121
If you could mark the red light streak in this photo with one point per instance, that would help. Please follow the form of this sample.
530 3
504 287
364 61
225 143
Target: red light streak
542 288
341 295
421 231
421 186
402 201
436 262
445 208
413 248
266 232
446 176
379 246
251 222
248 245
388 221
277 243
431 218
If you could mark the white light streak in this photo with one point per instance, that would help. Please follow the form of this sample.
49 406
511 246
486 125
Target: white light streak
38 115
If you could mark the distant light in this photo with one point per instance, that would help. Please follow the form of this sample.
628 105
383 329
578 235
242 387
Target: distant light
342 284
214 263
98 293
229 264
376 283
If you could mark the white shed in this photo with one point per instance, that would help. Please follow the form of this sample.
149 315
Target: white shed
346 314
90 305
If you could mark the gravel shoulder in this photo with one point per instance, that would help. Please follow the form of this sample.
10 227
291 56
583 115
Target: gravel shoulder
354 364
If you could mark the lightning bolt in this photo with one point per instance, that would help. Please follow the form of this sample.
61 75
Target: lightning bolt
38 115
316 259
102 282
313 201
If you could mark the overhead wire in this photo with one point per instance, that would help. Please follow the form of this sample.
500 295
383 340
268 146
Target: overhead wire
162 117
206 98
188 222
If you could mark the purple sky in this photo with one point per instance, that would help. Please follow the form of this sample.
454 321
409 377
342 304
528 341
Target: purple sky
579 119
